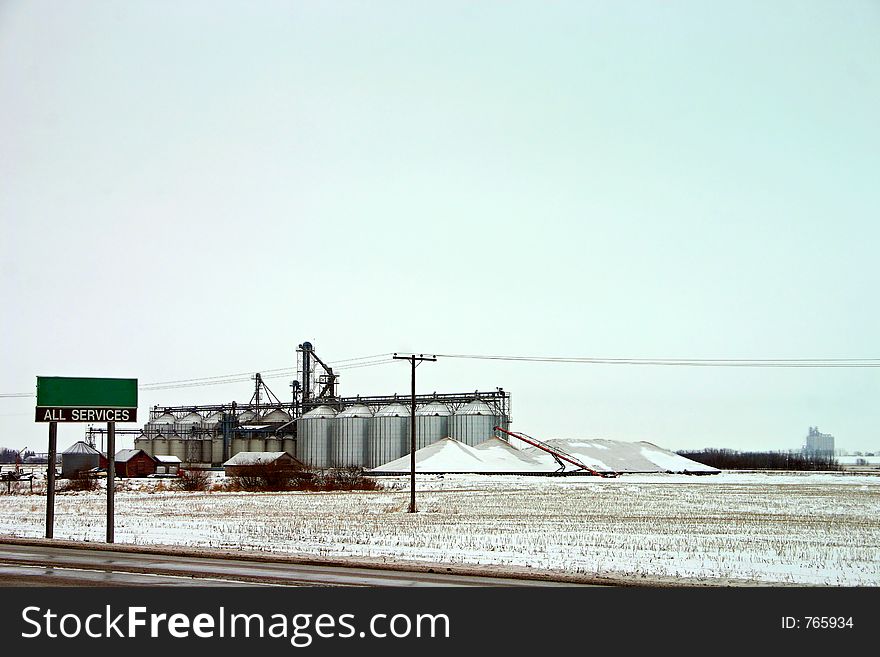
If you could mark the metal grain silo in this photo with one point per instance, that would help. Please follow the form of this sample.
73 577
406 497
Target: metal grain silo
192 449
214 418
207 448
313 437
165 418
160 445
389 435
239 444
348 441
432 423
212 447
177 447
192 418
474 422
257 443
217 450
163 424
273 443
145 443
247 417
275 417
77 458
288 444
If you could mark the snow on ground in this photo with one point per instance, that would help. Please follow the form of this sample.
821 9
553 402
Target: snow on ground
855 460
810 528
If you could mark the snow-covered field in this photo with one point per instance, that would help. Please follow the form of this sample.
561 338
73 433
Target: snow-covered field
784 528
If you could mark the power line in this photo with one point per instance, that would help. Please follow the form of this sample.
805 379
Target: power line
346 360
368 364
244 376
683 362
239 377
382 359
210 378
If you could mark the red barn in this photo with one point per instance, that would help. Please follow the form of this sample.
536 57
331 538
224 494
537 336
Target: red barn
134 463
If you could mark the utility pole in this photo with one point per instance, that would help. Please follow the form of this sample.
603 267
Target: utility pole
414 360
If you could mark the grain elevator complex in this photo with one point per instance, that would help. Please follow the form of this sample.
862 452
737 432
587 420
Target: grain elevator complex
318 426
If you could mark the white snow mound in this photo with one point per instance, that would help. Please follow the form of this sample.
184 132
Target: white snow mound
496 456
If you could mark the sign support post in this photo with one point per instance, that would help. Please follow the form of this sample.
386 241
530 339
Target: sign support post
111 478
50 484
71 399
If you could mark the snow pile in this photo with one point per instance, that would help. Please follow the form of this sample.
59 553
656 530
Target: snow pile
450 455
620 456
496 456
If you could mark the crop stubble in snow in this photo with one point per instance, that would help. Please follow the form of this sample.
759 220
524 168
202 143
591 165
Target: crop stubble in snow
820 529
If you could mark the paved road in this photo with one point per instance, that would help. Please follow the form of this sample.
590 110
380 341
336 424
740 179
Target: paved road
27 565
31 576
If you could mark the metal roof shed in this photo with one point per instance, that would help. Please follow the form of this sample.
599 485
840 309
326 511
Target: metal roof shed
134 463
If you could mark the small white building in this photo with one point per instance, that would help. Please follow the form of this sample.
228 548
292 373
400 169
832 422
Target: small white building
167 464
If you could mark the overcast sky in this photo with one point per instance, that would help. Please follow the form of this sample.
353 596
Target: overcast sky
191 189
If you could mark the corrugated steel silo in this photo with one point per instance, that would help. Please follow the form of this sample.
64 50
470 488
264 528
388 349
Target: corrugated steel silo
214 418
177 447
313 437
77 458
213 453
192 449
239 444
217 450
474 423
192 418
247 417
207 449
432 423
389 435
164 424
145 443
348 441
160 445
275 417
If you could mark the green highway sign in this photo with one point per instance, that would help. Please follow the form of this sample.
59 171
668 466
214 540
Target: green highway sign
77 399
